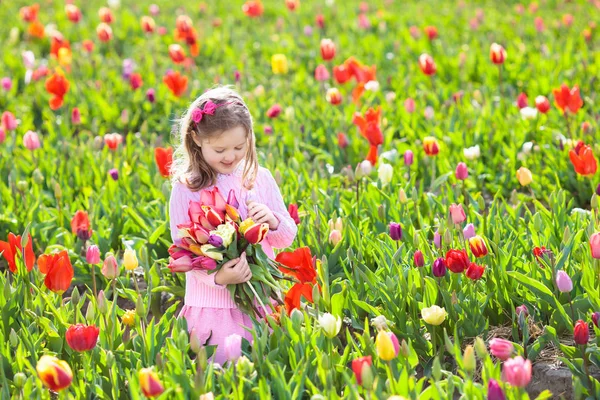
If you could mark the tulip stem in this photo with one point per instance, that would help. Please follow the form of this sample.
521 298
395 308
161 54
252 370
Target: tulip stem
257 297
572 309
94 280
432 173
391 376
586 369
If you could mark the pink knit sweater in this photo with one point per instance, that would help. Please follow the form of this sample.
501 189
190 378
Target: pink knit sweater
201 289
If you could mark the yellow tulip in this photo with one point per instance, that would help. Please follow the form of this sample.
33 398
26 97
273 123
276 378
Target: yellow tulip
149 382
54 373
279 64
128 318
385 347
524 176
434 315
130 261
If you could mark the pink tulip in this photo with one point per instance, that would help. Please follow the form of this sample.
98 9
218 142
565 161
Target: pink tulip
75 116
595 245
233 347
563 282
462 172
409 105
437 239
2 135
274 111
501 348
6 83
335 237
9 121
457 213
31 140
469 231
321 73
92 255
517 371
110 268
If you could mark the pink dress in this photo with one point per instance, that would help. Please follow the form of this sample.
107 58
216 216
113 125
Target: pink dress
208 308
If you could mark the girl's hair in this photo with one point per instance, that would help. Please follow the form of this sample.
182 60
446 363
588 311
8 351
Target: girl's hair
188 165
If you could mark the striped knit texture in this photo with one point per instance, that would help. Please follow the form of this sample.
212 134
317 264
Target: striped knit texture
201 289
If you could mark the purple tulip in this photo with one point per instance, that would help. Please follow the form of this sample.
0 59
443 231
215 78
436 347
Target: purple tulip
128 67
150 95
495 391
563 282
408 157
395 231
215 240
439 267
469 231
437 239
233 347
596 318
114 173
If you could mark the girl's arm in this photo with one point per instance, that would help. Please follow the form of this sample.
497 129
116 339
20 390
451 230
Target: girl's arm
285 233
178 214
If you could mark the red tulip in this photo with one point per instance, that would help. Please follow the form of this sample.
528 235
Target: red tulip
327 49
112 140
135 80
583 159
542 103
29 13
57 85
253 8
522 100
581 332
9 252
164 159
104 32
320 21
497 54
176 83
148 24
58 270
105 15
293 211
342 140
299 264
80 225
369 129
567 99
359 366
431 146
341 74
294 295
478 247
334 96
427 64
256 233
274 111
176 53
431 32
457 260
73 13
474 272
82 337
292 5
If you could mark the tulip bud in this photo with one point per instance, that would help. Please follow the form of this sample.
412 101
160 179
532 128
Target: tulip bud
469 361
92 255
395 231
437 369
439 268
480 348
563 282
581 332
38 177
524 176
330 325
130 261
19 379
402 196
233 347
75 297
22 186
335 237
90 313
102 304
385 346
297 317
596 318
110 268
140 308
462 172
437 239
408 158
244 366
418 259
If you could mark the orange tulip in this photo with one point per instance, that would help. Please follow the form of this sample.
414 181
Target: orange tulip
164 159
36 29
88 45
57 85
298 263
80 225
582 158
497 54
176 53
104 32
9 252
58 270
253 8
369 129
176 83
294 295
58 42
567 99
427 64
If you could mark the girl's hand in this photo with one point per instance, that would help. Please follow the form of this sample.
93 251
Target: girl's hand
234 271
260 213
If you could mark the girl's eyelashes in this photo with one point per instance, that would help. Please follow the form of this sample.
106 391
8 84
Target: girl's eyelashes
221 151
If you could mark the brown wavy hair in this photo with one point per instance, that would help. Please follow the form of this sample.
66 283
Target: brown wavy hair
189 166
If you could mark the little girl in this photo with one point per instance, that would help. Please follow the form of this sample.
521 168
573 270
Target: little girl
218 149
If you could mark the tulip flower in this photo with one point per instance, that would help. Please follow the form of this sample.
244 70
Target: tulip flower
80 225
57 85
330 325
327 49
362 370
495 391
58 270
342 140
581 332
596 318
150 383
148 24
110 268
385 173
517 371
130 261
9 251
439 268
176 83
333 96
128 318
164 160
82 337
583 160
279 64
542 104
418 259
75 116
104 32
457 260
29 13
437 239
474 271
431 32
6 83
114 174
461 172
524 176
112 140
431 146
321 73
567 100
105 15
563 282
54 373
385 346
521 309
409 105
595 245
427 64
293 211
31 140
457 213
9 121
522 101
151 95
434 315
135 81
478 247
233 347
469 231
501 348
299 264
255 233
92 255
408 158
497 54
253 8
395 231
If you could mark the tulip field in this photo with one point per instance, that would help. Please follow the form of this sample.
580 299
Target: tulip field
438 157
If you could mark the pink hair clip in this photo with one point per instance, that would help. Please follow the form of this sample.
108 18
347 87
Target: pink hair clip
209 108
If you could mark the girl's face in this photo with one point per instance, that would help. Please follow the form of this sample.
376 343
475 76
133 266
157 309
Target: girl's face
224 152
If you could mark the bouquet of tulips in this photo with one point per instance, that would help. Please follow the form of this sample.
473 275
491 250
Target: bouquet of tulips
215 235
